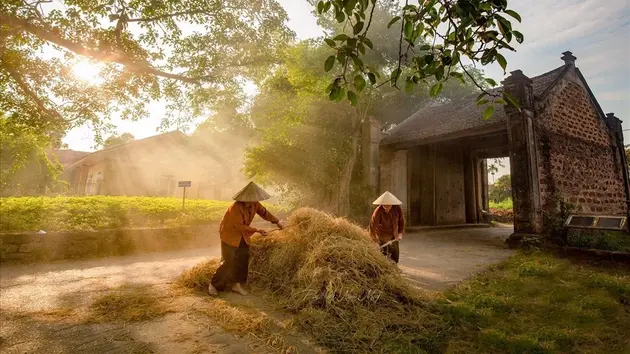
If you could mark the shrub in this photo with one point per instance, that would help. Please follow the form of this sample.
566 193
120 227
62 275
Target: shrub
101 212
598 239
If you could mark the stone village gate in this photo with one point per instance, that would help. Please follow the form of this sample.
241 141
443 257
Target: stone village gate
560 144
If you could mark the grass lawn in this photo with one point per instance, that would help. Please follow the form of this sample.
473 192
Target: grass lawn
540 304
505 204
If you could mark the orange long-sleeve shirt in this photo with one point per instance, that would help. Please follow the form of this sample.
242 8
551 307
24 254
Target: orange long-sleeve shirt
236 221
385 226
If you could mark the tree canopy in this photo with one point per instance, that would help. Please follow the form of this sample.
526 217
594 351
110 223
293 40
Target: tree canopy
501 189
187 53
26 168
436 38
309 146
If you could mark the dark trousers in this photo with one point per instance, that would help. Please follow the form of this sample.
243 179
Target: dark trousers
234 266
392 251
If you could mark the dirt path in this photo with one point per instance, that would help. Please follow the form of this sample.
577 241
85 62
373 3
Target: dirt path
43 306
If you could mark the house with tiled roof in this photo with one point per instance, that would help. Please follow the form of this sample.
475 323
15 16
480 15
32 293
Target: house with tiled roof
153 166
561 146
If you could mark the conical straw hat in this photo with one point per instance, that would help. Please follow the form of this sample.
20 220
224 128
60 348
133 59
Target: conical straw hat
251 193
387 199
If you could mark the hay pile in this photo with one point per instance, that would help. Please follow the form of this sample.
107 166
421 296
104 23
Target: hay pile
344 292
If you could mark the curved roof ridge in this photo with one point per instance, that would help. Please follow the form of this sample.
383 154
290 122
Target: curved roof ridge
460 114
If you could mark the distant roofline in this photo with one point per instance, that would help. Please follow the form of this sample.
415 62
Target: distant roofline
125 145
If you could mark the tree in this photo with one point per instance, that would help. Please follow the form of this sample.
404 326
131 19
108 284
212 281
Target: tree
187 53
26 169
492 169
435 37
310 145
118 140
501 190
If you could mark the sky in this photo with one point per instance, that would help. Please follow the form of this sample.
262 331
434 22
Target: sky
596 31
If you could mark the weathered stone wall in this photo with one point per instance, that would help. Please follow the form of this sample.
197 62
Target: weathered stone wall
393 175
32 247
578 160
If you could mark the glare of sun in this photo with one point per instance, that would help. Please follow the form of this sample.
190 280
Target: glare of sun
87 71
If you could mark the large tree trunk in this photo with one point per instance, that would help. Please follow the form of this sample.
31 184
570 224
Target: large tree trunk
343 192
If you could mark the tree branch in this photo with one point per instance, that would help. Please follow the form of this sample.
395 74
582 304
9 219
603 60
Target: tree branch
23 85
111 57
175 14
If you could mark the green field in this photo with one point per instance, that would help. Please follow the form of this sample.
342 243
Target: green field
90 213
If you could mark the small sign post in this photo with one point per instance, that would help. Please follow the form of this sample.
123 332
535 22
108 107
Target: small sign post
184 184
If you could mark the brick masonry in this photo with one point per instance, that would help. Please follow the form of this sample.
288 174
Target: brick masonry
577 156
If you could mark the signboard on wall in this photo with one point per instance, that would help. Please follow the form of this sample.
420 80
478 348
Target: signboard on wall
185 183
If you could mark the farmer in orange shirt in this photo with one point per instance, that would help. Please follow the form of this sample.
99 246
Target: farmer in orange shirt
387 224
236 234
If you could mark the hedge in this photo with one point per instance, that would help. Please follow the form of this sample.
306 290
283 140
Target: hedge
99 212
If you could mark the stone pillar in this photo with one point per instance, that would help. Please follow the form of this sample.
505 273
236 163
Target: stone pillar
469 189
614 124
523 157
485 199
371 138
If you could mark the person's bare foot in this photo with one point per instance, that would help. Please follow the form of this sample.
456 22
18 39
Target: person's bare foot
239 289
212 291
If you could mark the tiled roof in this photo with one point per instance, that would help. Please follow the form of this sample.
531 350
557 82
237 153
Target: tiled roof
68 157
100 154
456 116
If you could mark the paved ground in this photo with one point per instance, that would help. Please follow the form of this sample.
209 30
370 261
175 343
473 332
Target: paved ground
29 294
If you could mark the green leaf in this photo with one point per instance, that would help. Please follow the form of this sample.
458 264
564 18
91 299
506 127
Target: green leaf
357 62
361 48
393 20
409 86
333 94
511 100
320 7
359 82
481 96
439 73
518 35
340 17
394 76
513 14
341 95
341 58
458 76
408 29
500 101
501 59
368 43
482 102
436 89
485 6
425 47
327 6
357 28
331 43
488 112
372 78
491 82
353 98
504 22
341 37
330 62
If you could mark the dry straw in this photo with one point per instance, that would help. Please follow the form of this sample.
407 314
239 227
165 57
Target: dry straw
344 292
